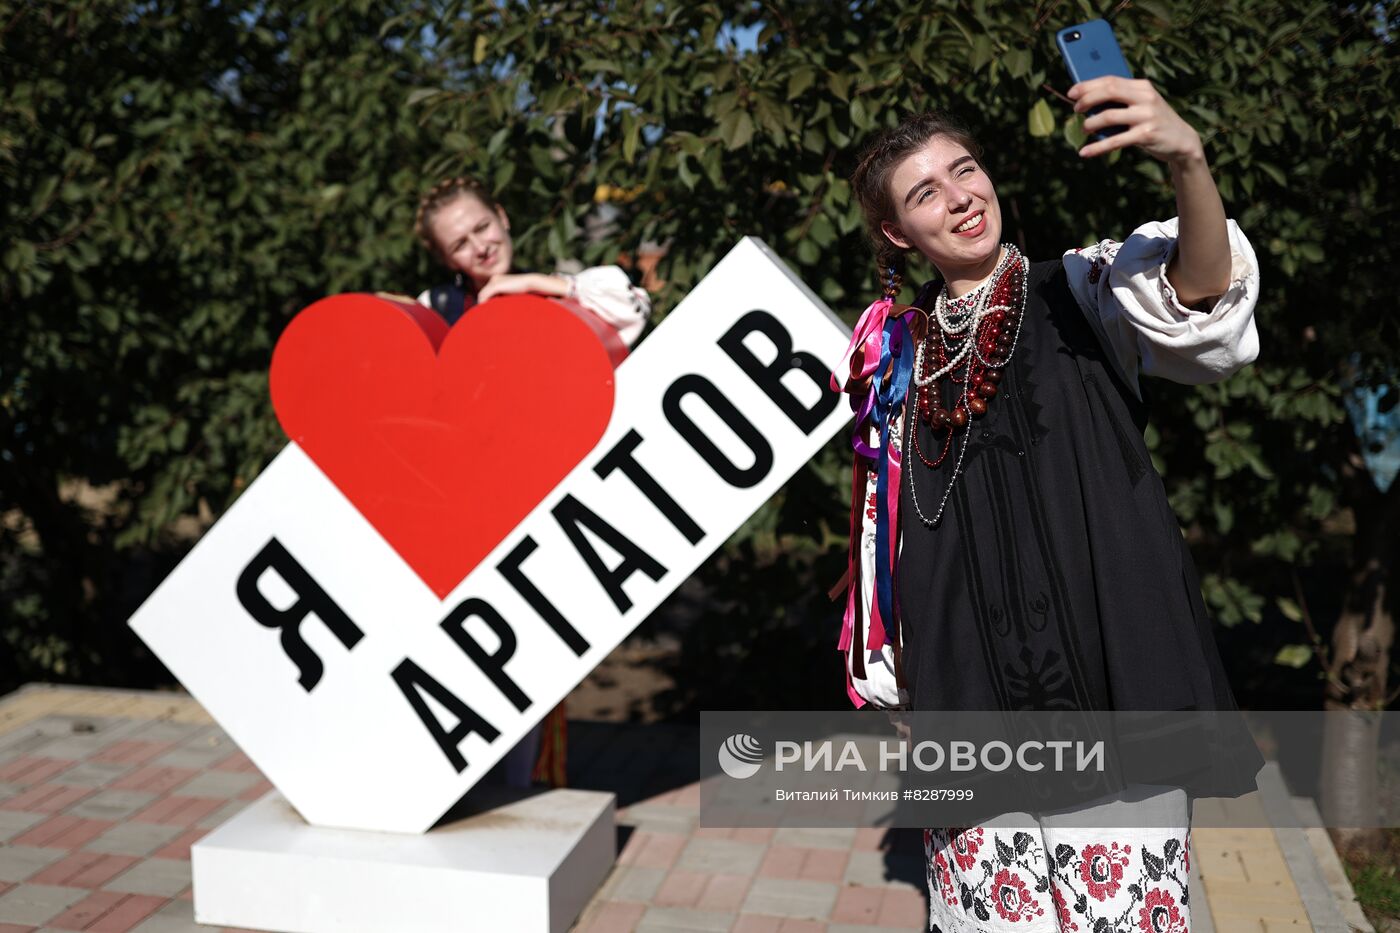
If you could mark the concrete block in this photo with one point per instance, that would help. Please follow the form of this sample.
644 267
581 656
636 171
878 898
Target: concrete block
529 863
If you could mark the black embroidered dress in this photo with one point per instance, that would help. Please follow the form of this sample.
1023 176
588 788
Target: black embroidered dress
1057 577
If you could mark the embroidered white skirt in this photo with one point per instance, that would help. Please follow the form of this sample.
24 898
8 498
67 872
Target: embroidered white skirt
1066 872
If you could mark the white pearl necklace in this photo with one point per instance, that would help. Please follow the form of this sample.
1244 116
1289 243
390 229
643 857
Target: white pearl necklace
980 311
960 321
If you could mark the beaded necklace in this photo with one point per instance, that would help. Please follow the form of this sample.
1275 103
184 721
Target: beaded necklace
970 338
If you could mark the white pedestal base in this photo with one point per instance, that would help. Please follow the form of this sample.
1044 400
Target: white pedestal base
529 863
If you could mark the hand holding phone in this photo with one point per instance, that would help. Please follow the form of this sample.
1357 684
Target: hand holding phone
1090 50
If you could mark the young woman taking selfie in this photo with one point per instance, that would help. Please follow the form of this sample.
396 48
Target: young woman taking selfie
1013 547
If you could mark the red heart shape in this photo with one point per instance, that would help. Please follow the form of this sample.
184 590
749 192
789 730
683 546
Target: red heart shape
443 439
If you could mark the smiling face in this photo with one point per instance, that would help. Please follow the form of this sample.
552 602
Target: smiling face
945 206
472 238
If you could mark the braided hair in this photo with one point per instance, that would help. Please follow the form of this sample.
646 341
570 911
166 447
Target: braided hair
441 194
871 180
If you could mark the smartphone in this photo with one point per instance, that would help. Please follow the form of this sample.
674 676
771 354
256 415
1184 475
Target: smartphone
1090 50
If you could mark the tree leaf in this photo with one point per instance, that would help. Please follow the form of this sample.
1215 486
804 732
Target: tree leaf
1041 120
736 129
799 81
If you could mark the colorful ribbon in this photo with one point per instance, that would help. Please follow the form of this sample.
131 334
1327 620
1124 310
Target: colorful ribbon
880 344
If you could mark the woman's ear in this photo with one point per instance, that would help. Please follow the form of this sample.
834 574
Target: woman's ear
894 234
501 213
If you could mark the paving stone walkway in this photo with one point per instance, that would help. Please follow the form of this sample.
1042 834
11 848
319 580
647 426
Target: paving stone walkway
102 792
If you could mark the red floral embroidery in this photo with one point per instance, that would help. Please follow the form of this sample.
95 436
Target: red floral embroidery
1102 868
1062 909
1160 914
945 880
1105 887
1012 898
965 847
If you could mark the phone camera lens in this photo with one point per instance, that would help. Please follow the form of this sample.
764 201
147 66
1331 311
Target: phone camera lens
1074 36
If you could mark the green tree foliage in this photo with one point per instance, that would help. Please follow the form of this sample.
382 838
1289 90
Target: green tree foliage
175 182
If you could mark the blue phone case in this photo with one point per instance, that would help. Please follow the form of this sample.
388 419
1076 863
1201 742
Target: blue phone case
1093 55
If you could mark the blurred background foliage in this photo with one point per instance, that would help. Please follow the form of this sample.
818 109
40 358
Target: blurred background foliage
178 179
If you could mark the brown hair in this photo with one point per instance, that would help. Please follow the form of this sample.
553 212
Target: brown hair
444 192
871 179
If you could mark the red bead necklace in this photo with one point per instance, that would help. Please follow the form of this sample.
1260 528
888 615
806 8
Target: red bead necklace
977 368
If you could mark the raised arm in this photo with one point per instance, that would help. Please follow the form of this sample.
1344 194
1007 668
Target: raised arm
1200 269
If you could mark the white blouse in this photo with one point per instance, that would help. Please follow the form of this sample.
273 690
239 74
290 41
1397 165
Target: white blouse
1124 293
608 293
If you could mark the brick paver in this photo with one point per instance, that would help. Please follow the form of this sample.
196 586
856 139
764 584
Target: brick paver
724 893
62 832
681 889
177 810
778 897
134 838
84 870
858 905
721 855
27 770
179 847
158 876
47 798
684 920
112 805
92 773
20 863
131 752
633 883
87 911
36 904
13 823
128 912
155 779
611 917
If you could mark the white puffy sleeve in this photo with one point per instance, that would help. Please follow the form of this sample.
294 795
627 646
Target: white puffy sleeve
608 293
1124 292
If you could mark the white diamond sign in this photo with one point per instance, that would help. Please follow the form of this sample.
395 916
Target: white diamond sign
371 701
